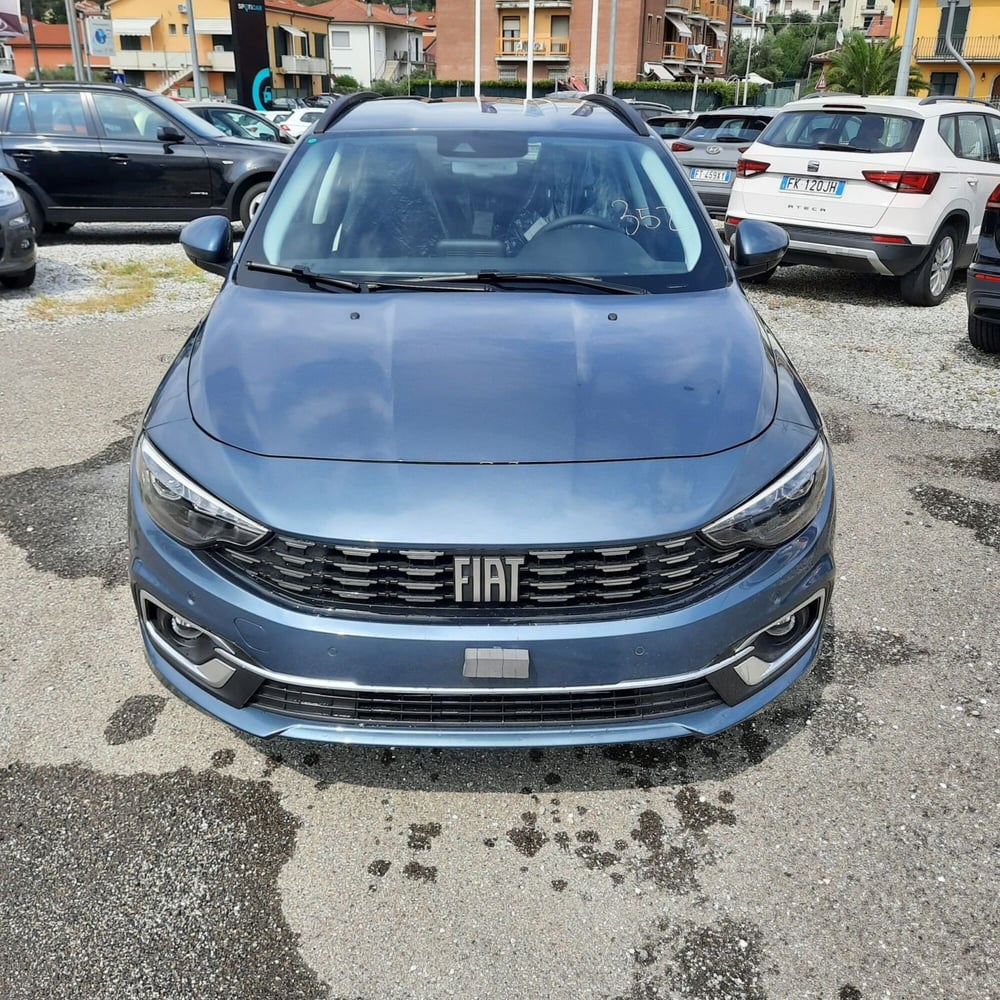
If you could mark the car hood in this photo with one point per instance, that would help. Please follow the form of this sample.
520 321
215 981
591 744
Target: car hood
467 377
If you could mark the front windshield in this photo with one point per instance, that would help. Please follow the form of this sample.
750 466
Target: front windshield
384 204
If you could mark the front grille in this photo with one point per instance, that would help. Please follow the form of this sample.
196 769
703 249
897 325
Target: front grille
559 709
553 583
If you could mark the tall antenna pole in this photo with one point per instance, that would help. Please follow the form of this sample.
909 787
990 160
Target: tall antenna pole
529 89
478 40
592 77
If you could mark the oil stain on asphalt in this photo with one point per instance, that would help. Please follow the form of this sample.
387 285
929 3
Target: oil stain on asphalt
980 516
145 885
42 511
134 719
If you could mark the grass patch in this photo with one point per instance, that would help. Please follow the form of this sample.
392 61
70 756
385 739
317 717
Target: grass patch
119 288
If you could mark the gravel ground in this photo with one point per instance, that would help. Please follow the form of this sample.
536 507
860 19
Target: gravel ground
850 335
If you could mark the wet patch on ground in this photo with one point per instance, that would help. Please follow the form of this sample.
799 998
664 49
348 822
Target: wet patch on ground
711 962
985 466
134 718
979 516
421 835
106 871
839 428
420 873
71 520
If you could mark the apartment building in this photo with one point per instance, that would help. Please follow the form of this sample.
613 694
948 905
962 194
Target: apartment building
676 39
975 35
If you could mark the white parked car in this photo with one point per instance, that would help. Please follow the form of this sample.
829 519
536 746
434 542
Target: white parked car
884 185
300 121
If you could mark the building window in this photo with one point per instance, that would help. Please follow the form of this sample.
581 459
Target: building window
649 29
185 26
958 28
658 37
130 43
340 39
171 29
559 29
508 72
816 4
319 46
942 85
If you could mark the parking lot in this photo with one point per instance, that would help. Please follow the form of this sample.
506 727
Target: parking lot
842 846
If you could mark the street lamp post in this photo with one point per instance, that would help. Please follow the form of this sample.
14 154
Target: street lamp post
193 42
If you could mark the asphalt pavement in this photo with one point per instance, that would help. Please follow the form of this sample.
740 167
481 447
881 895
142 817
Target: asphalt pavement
844 845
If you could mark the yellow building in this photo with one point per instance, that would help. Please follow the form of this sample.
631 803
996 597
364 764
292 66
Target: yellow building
153 47
976 37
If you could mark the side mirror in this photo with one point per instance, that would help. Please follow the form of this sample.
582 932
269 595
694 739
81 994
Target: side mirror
208 242
756 247
167 133
285 138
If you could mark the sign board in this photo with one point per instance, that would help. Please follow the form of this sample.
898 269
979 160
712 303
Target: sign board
253 63
821 82
117 76
100 40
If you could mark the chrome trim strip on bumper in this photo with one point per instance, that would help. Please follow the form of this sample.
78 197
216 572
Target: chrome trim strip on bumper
829 250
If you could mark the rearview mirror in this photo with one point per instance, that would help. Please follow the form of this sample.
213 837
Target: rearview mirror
208 242
757 247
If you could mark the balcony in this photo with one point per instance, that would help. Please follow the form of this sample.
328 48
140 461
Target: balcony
163 62
984 48
303 65
221 62
699 10
546 47
713 57
678 6
717 12
675 51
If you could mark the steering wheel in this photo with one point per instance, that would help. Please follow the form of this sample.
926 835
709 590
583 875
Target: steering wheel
579 220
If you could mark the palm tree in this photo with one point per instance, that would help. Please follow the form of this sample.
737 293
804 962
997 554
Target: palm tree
869 68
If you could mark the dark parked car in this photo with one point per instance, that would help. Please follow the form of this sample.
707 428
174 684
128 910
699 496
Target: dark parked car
983 283
709 149
527 468
81 152
234 120
17 238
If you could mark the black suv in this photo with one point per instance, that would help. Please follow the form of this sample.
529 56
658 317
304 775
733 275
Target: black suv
81 152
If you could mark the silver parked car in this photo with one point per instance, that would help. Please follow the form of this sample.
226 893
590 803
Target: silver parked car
709 149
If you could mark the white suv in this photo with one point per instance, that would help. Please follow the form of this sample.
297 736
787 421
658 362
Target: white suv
884 185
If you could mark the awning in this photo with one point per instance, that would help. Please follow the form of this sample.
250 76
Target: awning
682 29
133 25
661 72
293 31
720 34
213 26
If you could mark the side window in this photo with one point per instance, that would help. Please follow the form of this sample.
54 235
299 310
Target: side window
124 117
946 129
994 125
972 138
20 120
58 113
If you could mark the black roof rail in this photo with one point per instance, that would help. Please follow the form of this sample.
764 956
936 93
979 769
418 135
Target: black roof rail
938 98
344 106
623 112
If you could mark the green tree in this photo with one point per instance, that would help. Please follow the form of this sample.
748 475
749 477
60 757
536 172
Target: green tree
869 69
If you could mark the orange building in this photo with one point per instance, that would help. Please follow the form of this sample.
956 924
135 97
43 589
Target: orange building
54 50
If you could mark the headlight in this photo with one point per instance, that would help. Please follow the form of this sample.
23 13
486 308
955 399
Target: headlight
8 193
19 220
779 512
187 512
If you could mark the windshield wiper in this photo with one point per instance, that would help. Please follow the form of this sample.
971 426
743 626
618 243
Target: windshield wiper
429 284
498 279
311 277
843 149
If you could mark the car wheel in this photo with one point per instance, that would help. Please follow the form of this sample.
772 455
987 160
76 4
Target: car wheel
927 284
22 280
34 211
984 335
250 201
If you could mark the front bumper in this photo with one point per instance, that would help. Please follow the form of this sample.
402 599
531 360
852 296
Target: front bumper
324 660
17 242
857 252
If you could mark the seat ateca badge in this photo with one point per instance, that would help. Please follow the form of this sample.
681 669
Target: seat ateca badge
487 579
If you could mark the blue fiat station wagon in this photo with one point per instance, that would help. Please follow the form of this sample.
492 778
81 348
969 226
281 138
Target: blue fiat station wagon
481 444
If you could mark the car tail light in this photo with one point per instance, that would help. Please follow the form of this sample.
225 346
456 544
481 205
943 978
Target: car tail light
895 240
987 277
747 168
732 220
994 199
904 181
681 147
